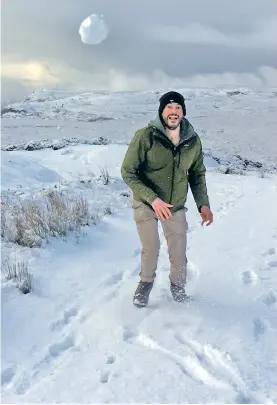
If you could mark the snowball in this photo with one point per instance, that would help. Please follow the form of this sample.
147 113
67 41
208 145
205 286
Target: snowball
93 30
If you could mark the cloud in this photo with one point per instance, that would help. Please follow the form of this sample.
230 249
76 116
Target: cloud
121 81
149 44
265 35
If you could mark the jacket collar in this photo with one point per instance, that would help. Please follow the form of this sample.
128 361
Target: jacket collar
187 133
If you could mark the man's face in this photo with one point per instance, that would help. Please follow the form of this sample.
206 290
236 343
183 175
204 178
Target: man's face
172 115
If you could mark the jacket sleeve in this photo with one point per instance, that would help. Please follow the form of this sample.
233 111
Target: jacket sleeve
197 180
133 159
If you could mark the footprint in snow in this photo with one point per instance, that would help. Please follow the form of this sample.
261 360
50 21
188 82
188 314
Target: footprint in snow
273 263
110 359
113 279
128 335
105 374
23 385
7 375
110 295
271 251
225 207
170 325
259 328
242 398
270 299
57 349
53 351
249 277
180 338
65 319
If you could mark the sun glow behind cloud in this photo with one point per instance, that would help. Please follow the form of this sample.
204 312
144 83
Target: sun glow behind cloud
32 71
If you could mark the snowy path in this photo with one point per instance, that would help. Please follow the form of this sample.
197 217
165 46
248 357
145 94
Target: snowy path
89 344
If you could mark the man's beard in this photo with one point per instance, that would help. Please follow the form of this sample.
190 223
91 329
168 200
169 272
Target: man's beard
172 124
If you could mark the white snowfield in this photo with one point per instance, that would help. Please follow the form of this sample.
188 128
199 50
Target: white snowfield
77 338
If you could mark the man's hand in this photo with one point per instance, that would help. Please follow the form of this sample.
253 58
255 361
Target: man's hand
206 215
161 209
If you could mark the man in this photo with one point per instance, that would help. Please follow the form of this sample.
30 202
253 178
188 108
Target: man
162 160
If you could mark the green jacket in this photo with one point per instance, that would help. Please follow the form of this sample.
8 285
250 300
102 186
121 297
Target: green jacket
154 167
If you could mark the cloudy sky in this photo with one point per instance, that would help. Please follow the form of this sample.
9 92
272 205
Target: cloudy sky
151 43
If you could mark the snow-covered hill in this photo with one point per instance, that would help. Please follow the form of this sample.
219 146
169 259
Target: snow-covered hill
76 337
230 121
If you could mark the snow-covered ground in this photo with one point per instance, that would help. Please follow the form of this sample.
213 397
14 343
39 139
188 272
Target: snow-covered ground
77 338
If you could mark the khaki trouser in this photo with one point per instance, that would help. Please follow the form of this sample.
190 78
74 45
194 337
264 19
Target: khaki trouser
175 232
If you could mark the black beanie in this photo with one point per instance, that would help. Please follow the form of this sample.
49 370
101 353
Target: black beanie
171 97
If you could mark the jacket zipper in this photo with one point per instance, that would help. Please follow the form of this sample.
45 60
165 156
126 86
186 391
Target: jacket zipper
173 172
174 154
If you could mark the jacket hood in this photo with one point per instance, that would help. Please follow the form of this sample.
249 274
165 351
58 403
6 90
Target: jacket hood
186 133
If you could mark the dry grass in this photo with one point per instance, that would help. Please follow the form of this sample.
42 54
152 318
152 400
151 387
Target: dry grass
105 175
125 194
19 273
231 170
30 221
27 222
263 174
107 211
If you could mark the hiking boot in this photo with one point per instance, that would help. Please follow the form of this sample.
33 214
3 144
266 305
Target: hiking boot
178 293
141 295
